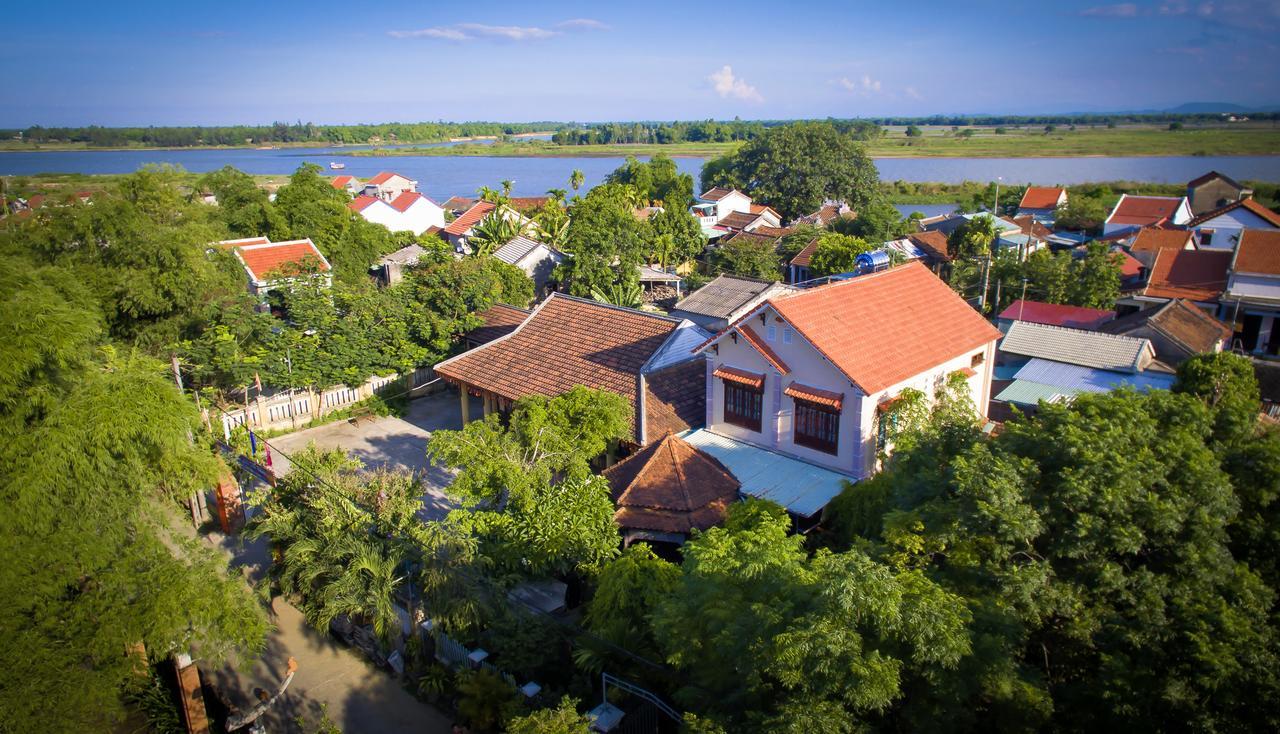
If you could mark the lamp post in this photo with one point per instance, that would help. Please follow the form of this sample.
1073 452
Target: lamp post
995 209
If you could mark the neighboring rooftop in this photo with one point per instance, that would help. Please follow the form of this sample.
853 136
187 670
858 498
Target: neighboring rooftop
933 243
499 319
362 202
516 249
805 255
407 199
469 218
1258 252
1144 210
1150 239
1075 317
459 203
1200 275
1249 204
1190 328
716 193
1074 346
738 220
1041 197
671 487
408 255
341 182
1210 176
882 328
384 177
265 260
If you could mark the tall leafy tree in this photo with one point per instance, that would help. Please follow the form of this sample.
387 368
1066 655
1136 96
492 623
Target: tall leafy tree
243 206
837 253
658 181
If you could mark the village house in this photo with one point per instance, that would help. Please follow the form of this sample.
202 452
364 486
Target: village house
1150 240
349 184
798 267
271 266
1053 314
1177 330
387 186
537 260
390 268
1200 276
647 358
1252 298
804 379
1041 203
498 320
1133 212
1220 228
457 231
726 298
1212 191
826 214
408 212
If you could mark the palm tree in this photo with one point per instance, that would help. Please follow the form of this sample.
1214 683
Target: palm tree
663 246
493 232
365 590
619 294
577 178
557 194
507 184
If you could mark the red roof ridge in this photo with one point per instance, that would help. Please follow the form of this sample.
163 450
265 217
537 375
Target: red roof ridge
384 176
362 202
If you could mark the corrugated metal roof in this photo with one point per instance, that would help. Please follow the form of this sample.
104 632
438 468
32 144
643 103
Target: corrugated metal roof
1073 346
1085 379
515 250
650 274
678 347
1026 392
723 296
803 488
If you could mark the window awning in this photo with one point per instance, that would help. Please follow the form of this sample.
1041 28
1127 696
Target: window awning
815 395
889 404
742 377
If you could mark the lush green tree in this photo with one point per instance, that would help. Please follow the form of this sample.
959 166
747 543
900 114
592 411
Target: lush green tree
1095 281
629 295
630 588
658 181
562 719
877 222
747 256
576 179
796 167
972 239
1082 212
551 222
913 131
837 253
768 636
243 206
606 240
677 234
315 209
493 232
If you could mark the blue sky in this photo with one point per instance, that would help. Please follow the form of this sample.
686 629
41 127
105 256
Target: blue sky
74 63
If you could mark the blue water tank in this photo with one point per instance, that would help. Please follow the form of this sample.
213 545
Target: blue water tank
870 262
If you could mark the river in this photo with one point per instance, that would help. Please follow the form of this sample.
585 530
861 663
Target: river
442 176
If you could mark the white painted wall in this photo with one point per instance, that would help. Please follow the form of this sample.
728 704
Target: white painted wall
733 202
1226 228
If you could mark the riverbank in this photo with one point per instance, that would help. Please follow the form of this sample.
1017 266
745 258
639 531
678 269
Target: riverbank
17 146
975 142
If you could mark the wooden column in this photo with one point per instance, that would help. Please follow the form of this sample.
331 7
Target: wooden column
466 404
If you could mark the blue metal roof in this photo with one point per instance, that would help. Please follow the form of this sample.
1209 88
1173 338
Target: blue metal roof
1026 392
803 488
1087 379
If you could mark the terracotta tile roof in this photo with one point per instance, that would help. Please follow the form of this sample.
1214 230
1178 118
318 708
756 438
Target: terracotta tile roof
763 348
1191 327
742 377
1258 252
1150 239
1130 267
567 341
229 244
716 194
815 395
264 260
744 236
761 209
527 202
1041 197
1144 210
499 320
882 328
738 220
826 214
1211 175
459 203
407 199
469 218
1075 317
1249 204
803 257
1032 228
1200 275
934 243
773 231
362 202
340 182
384 177
672 487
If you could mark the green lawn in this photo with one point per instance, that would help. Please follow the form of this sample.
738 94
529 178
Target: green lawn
1100 141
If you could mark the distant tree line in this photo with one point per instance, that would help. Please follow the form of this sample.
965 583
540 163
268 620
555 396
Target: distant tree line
704 131
278 132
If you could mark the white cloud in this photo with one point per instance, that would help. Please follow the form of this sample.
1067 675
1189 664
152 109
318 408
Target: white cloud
912 93
865 85
474 31
727 85
1123 10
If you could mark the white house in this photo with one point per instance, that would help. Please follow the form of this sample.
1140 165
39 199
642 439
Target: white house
387 186
536 259
1251 302
815 375
272 265
408 212
349 184
1134 212
1042 202
1220 228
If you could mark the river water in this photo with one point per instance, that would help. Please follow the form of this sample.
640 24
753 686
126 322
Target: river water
442 176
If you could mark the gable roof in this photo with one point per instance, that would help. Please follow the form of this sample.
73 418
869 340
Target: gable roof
738 220
384 177
1258 252
882 328
1211 175
515 250
1150 239
1249 204
362 202
1041 197
1032 228
670 486
768 231
262 260
805 255
469 218
1200 275
717 193
1077 317
1144 210
459 203
933 243
566 341
1075 346
1182 323
407 199
340 182
500 319
723 296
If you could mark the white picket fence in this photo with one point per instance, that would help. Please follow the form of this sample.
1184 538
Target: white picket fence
287 410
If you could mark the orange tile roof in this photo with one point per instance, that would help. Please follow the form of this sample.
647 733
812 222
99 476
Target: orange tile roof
567 341
803 257
384 177
1250 204
499 320
763 348
768 231
1041 197
527 202
882 328
738 220
815 395
362 202
1198 275
670 486
932 242
340 182
1144 210
469 218
1150 239
263 260
742 377
1258 252
407 199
